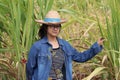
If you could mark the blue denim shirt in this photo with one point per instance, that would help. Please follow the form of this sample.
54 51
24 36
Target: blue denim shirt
39 59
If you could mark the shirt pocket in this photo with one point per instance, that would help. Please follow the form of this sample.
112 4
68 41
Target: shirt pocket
43 58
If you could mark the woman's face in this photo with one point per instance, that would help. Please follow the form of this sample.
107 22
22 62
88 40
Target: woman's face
53 30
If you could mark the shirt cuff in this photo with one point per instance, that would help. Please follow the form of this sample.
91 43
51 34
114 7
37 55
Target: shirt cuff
97 48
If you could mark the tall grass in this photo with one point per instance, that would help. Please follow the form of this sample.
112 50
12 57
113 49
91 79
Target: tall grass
112 45
113 30
17 25
18 31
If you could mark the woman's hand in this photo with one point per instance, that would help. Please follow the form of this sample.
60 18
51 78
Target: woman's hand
100 41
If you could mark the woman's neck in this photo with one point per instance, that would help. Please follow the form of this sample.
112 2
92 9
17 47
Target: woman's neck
53 41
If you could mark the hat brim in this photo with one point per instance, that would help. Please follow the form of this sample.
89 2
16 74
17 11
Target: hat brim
43 22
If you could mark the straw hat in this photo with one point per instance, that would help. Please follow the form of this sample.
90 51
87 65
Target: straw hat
52 17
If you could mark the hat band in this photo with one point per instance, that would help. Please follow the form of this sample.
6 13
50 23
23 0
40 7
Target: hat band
52 20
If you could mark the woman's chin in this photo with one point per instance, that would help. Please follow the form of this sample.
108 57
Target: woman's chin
54 35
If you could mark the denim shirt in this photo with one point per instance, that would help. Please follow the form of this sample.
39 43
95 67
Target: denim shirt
39 59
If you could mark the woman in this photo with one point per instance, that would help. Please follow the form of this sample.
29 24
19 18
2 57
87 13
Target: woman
51 57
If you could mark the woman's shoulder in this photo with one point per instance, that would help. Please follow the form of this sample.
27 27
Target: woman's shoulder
37 44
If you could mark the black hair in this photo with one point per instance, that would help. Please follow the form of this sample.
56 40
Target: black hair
42 31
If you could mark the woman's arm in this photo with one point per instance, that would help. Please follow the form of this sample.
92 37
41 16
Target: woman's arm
31 63
86 55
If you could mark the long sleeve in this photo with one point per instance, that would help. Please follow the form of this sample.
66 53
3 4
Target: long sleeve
31 63
86 55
